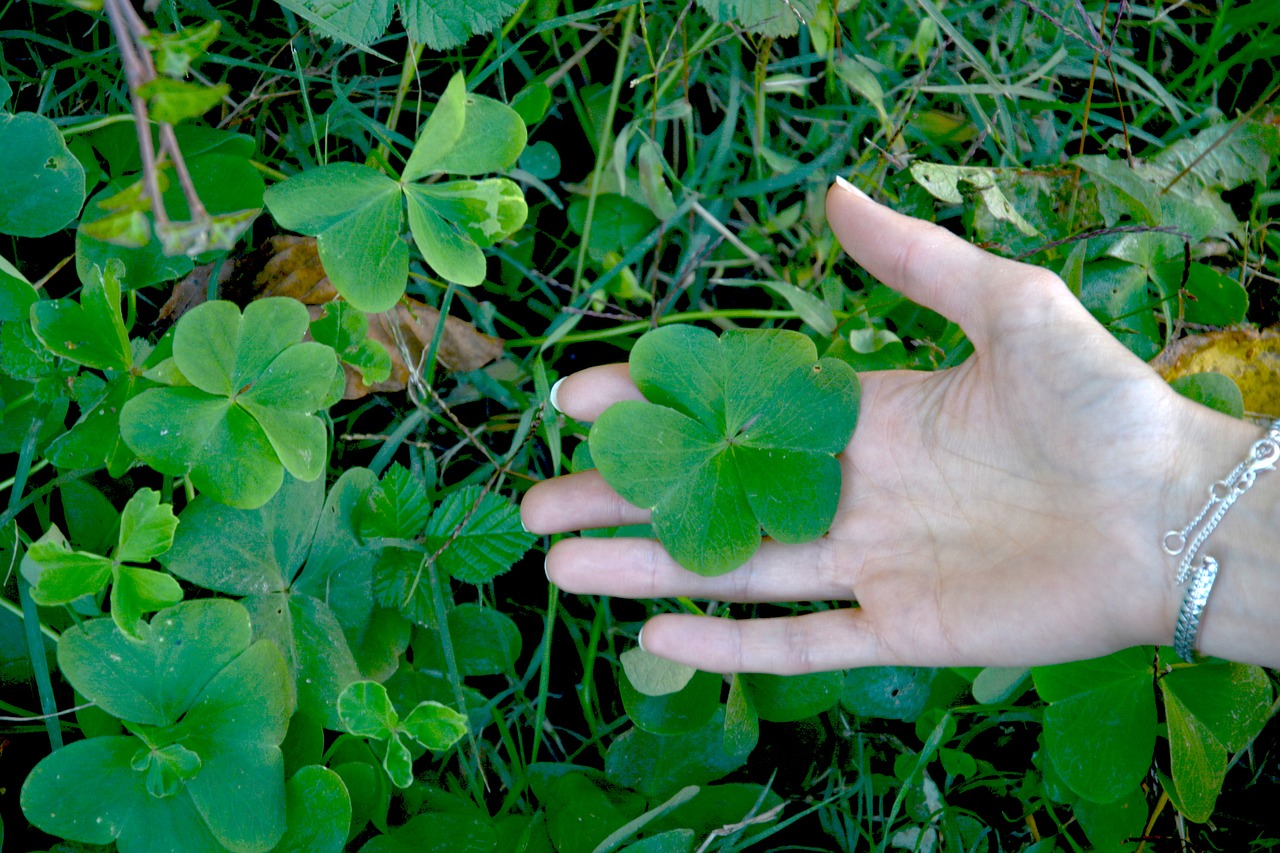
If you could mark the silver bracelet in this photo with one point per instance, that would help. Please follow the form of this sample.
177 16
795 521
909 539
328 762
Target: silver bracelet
1222 496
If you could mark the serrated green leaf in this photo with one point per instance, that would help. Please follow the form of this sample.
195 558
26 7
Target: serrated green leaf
773 18
397 509
445 24
480 533
740 432
42 184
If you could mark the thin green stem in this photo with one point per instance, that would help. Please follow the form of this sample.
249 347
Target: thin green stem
408 71
30 617
455 677
544 673
39 466
602 150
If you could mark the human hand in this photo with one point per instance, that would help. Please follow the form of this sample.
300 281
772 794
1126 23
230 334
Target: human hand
1007 511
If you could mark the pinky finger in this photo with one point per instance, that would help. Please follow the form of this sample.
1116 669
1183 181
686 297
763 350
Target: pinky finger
788 645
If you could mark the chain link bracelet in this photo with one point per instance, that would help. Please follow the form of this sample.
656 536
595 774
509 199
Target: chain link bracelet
1189 541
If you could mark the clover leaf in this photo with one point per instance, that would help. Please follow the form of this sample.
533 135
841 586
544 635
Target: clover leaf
41 181
357 213
202 768
305 579
366 711
740 433
248 412
91 332
60 575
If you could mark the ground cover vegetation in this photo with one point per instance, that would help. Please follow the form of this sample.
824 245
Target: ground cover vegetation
284 287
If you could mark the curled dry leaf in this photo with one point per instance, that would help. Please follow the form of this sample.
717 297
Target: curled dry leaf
1250 357
288 265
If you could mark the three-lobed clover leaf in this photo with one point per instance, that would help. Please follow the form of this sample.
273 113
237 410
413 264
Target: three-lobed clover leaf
202 769
60 575
366 711
92 333
242 409
740 433
42 184
357 213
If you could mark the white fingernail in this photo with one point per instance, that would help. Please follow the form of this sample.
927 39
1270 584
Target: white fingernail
640 639
544 569
551 398
845 185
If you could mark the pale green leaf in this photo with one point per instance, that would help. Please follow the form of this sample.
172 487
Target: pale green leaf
146 528
652 675
440 133
435 726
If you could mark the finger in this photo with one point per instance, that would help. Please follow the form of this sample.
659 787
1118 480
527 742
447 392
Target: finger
642 568
787 645
576 502
587 393
927 263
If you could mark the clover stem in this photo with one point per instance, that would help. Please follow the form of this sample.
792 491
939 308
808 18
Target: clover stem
544 670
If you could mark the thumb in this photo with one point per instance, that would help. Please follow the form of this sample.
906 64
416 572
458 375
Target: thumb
925 262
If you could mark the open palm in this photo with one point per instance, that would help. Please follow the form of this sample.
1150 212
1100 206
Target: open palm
1005 511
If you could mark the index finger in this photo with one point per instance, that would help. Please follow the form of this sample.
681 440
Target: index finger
586 394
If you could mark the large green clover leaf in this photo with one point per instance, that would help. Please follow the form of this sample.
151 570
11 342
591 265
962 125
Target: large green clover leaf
248 414
357 213
41 181
740 433
60 575
306 580
202 770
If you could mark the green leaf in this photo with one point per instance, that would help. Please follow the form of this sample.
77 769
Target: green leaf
943 182
480 533
250 413
397 508
740 433
741 722
495 136
445 24
317 812
60 575
1215 390
194 680
90 332
171 101
888 692
1100 726
437 832
146 528
452 221
485 642
95 438
346 330
440 133
366 711
679 711
1231 700
435 726
660 765
772 18
652 675
1212 299
16 294
137 591
787 698
1129 192
1197 761
174 52
41 181
355 214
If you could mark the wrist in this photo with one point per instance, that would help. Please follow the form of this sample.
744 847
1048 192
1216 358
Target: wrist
1238 621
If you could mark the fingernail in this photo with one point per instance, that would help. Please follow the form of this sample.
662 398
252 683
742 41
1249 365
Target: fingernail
551 398
640 639
844 185
522 526
544 569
